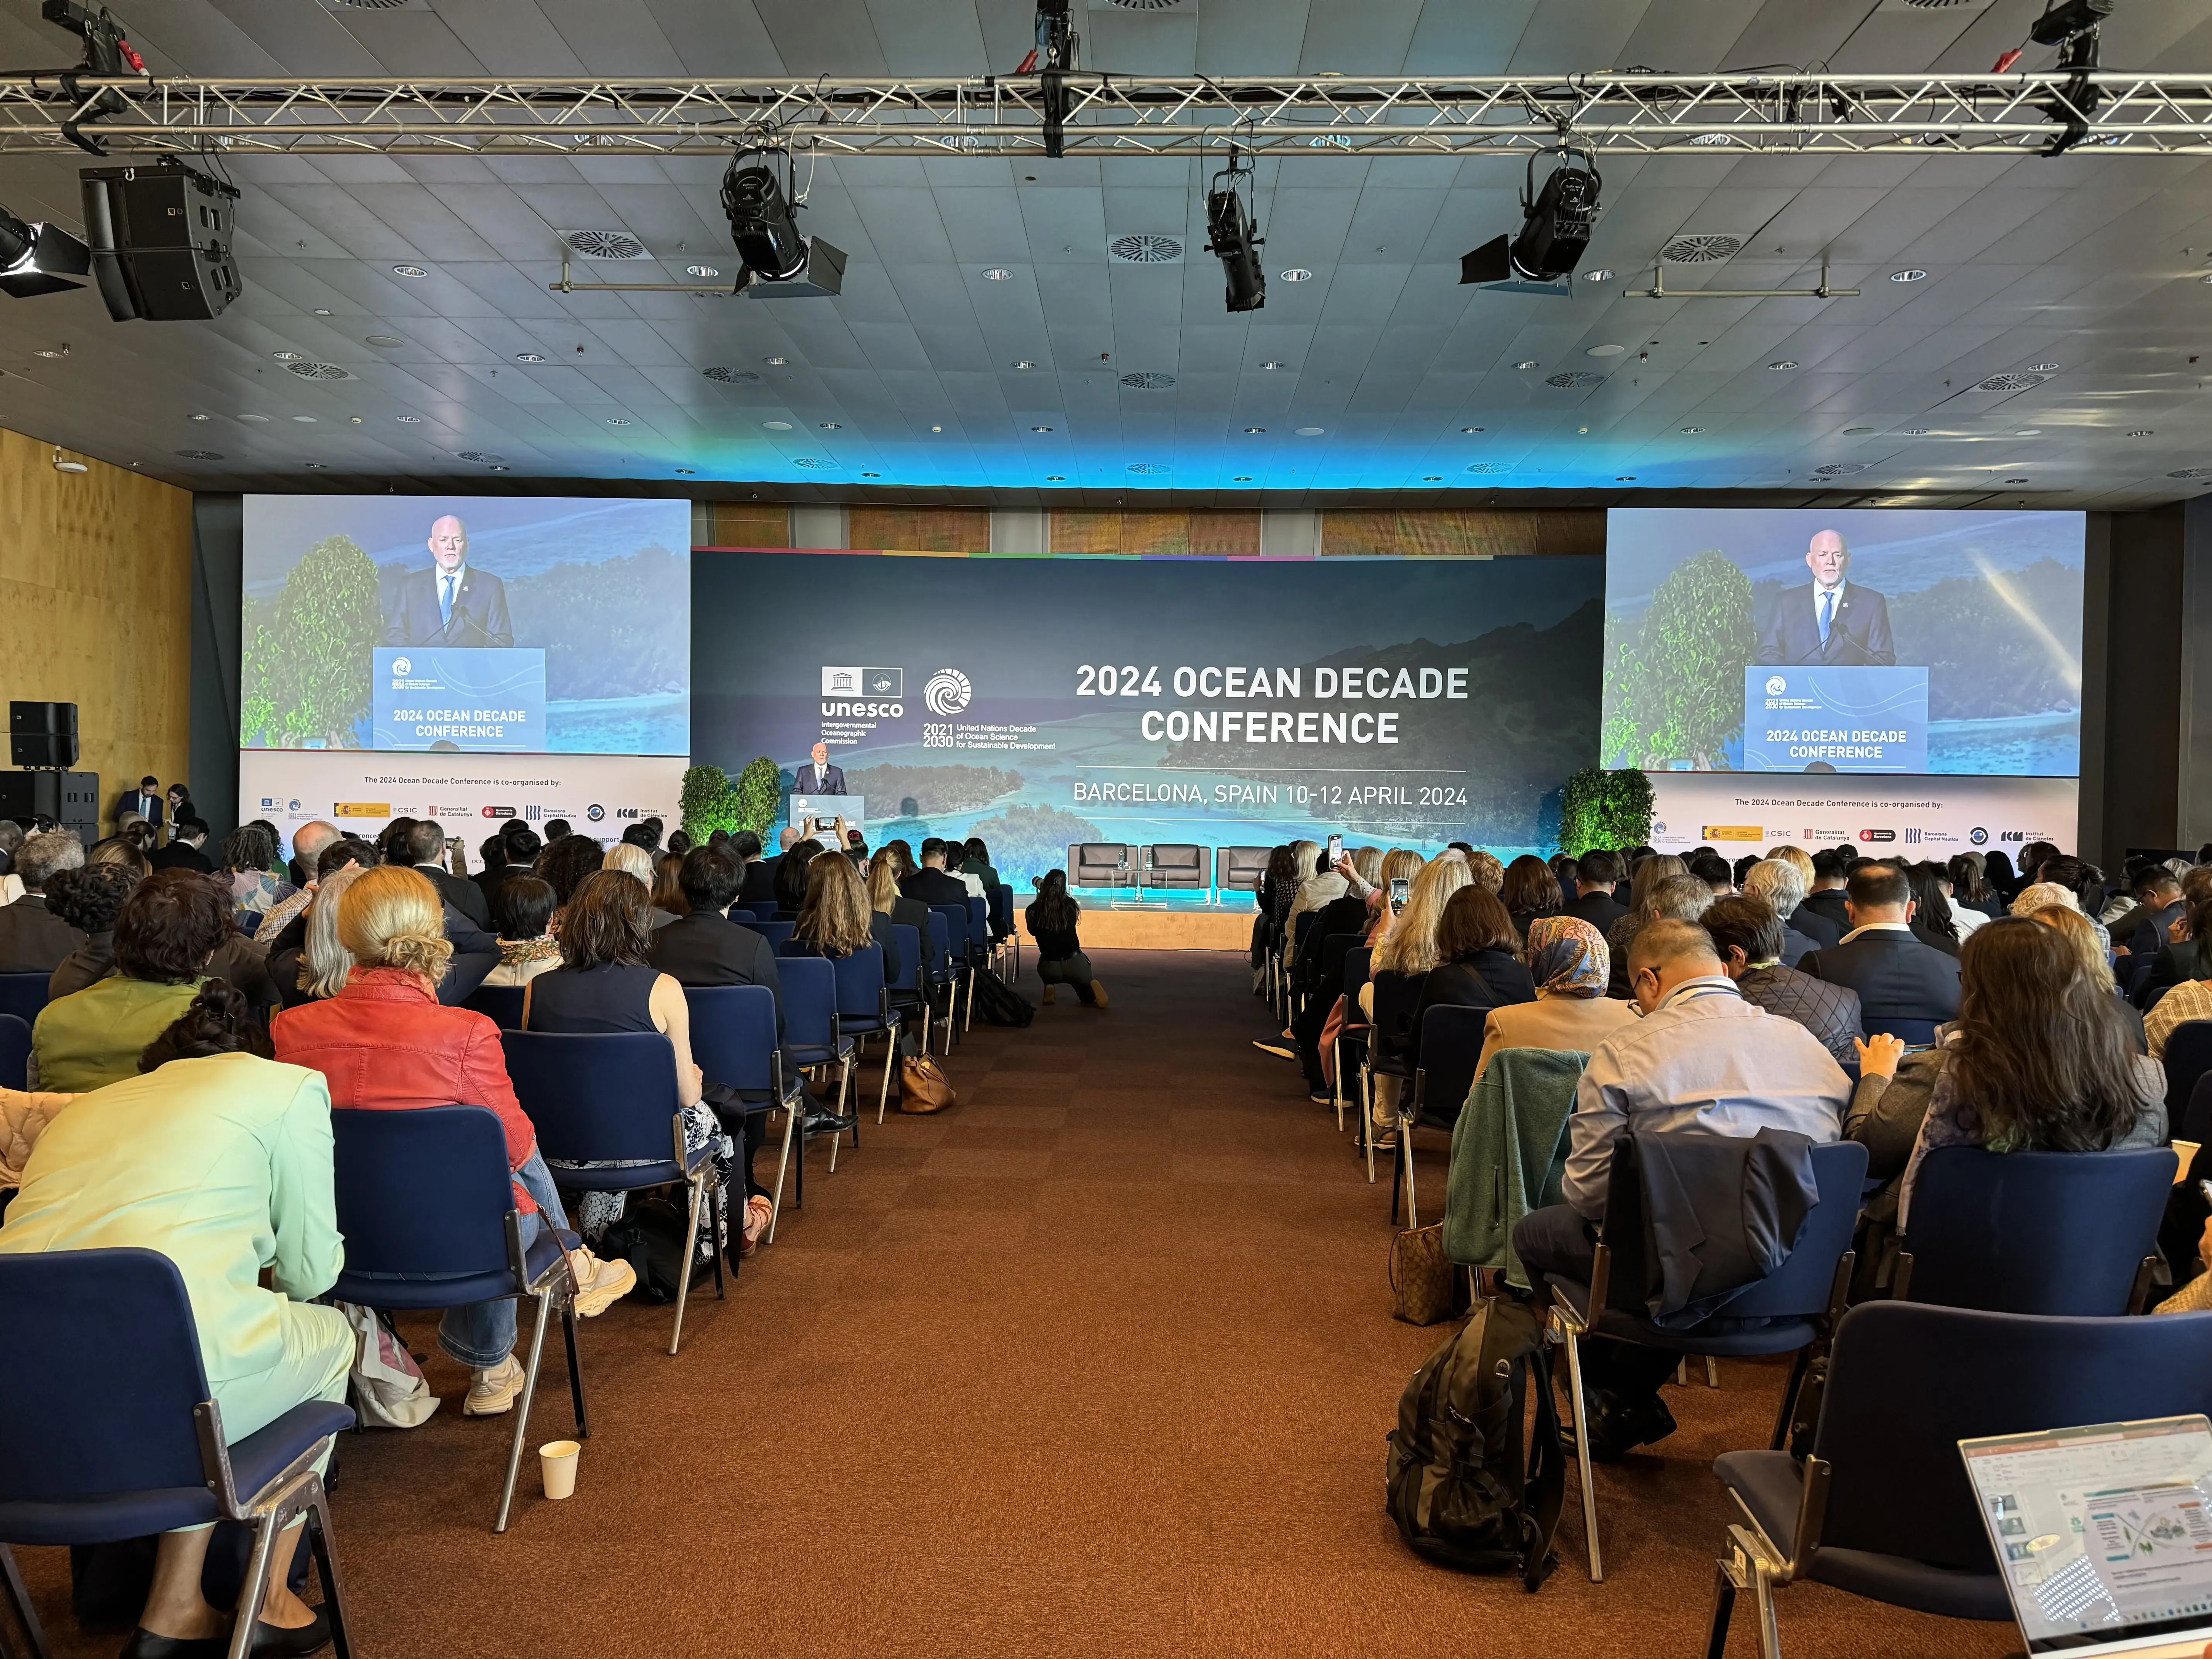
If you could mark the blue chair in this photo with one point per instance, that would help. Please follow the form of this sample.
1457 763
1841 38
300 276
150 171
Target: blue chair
774 932
760 910
733 1042
1883 1507
812 1042
1802 1299
1002 922
501 1004
15 1051
2187 1057
960 944
2064 1233
903 978
609 1098
134 1445
943 972
1397 998
426 1202
1451 1042
864 1010
1353 1030
24 996
1915 1033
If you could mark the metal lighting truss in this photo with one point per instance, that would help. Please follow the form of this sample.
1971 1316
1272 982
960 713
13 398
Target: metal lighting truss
1638 114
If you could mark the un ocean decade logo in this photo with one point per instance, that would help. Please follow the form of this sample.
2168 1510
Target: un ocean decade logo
1776 685
402 666
947 691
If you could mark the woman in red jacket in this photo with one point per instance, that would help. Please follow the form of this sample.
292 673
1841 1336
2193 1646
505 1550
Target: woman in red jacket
386 1044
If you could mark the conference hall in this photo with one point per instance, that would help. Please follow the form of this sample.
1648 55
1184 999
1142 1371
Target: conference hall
1105 828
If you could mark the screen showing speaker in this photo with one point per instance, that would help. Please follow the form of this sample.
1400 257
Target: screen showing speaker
1810 641
552 625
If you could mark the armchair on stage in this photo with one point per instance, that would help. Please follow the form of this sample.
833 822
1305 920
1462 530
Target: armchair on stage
1168 866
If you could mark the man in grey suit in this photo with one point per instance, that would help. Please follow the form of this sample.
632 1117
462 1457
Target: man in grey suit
451 603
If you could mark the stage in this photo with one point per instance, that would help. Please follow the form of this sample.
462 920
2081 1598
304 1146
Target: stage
1161 924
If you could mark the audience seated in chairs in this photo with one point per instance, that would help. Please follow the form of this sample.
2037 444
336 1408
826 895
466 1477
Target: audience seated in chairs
929 883
1479 962
1824 897
606 981
704 946
523 906
386 1044
1597 873
790 882
1319 881
320 965
1572 1014
2190 999
1780 883
564 864
885 899
1934 922
219 1158
1898 976
32 939
2076 929
1530 890
249 862
11 842
1408 948
668 885
288 949
1713 870
1645 875
165 933
89 899
1052 922
1748 937
1680 896
1970 887
1702 1059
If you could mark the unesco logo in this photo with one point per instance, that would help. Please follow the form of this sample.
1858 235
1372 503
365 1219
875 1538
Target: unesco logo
402 666
1776 685
947 691
1978 835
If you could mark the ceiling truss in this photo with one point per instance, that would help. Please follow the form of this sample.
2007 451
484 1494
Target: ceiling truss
1614 114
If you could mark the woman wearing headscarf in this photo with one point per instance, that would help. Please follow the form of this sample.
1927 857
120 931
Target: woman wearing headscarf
1568 959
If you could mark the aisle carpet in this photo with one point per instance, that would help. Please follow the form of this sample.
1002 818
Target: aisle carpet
1099 1363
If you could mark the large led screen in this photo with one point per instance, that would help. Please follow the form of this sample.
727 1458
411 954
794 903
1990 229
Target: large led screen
466 625
1799 640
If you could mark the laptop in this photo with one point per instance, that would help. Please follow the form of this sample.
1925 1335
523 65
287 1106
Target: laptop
2103 1534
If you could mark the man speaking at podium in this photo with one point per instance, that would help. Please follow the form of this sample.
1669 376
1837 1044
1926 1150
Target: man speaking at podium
449 603
1831 622
821 778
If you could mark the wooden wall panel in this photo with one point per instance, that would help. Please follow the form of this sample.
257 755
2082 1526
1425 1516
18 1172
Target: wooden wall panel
95 608
919 529
1382 531
741 524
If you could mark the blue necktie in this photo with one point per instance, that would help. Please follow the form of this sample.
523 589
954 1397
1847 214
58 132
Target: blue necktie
1827 613
445 609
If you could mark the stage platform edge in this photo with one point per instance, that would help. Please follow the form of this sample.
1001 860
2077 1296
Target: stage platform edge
1161 927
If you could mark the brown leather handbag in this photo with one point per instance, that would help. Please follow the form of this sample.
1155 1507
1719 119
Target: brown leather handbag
922 1087
1426 1286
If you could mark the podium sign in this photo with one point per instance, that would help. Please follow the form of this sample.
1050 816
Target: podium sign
450 697
854 808
1836 720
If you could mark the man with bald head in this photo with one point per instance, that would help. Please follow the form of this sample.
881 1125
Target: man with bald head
1831 622
451 603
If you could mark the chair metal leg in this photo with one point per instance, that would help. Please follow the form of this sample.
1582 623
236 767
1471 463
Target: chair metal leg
1582 1453
844 1070
1723 1612
521 1412
714 1236
782 1162
255 1587
1762 1591
1367 1121
1336 1071
1789 1393
576 1369
20 1598
884 1094
326 1565
1712 1372
969 1024
1406 1150
684 1271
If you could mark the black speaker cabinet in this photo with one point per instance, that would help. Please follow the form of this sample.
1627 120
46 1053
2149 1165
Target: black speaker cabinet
71 798
161 241
42 735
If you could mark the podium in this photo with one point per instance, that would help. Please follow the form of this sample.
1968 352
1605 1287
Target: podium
853 808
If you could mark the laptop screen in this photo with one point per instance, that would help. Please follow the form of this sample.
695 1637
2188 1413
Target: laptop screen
2102 1533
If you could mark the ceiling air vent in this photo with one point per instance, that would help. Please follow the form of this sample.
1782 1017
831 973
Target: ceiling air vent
1146 250
1492 467
729 376
200 454
480 458
1839 469
318 371
1143 5
1700 250
1573 377
1146 380
2192 472
813 463
1149 469
2010 382
604 244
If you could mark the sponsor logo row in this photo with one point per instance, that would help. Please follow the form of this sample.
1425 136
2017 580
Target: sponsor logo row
1910 836
594 813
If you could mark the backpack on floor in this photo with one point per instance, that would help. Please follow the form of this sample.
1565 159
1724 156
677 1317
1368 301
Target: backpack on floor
999 1003
650 1237
1456 1482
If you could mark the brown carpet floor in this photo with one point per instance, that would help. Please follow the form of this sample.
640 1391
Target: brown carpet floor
1098 1363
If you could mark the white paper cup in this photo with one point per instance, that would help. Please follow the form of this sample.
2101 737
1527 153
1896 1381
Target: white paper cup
557 1463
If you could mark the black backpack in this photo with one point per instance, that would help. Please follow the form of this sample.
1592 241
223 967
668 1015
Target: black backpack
999 1003
650 1237
1456 1482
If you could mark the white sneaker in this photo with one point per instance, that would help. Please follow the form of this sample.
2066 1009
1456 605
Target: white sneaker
493 1392
599 1284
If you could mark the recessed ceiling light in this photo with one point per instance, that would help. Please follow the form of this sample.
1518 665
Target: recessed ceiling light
1256 428
2142 431
1298 274
322 310
384 340
781 426
530 356
1601 275
617 420
409 270
1311 431
316 466
1605 351
1918 431
1274 362
1694 429
937 428
1023 362
403 419
1470 428
290 356
259 420
686 473
997 274
2029 432
1908 276
2016 481
1529 362
1785 362
1055 477
48 351
701 271
501 469
1242 477
1626 477
871 475
775 363
2043 368
1040 429
831 425
2206 277
305 419
202 417
353 420
1433 477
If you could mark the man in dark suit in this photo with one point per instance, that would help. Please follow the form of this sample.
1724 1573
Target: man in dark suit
1825 904
759 884
930 883
148 802
1829 623
426 844
2145 930
1596 874
451 603
183 852
1896 975
706 947
821 778
32 939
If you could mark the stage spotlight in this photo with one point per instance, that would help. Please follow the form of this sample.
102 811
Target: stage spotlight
37 259
1554 234
1231 226
2073 26
763 210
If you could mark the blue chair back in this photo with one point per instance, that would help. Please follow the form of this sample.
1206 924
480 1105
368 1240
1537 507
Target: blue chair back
773 931
941 945
1898 1485
1451 1042
2061 1233
1356 964
1917 1032
1001 899
1299 929
501 1004
2187 1057
733 1033
600 1097
908 974
979 916
1801 1286
796 947
956 927
1396 997
810 1003
861 984
72 1432
15 1051
23 995
760 910
424 1192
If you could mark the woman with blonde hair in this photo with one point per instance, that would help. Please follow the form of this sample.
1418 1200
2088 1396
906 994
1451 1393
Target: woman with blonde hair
884 898
386 1044
1409 949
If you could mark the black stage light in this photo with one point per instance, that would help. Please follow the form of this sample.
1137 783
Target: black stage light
1231 225
763 221
1052 57
1554 234
2064 19
37 259
2073 26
